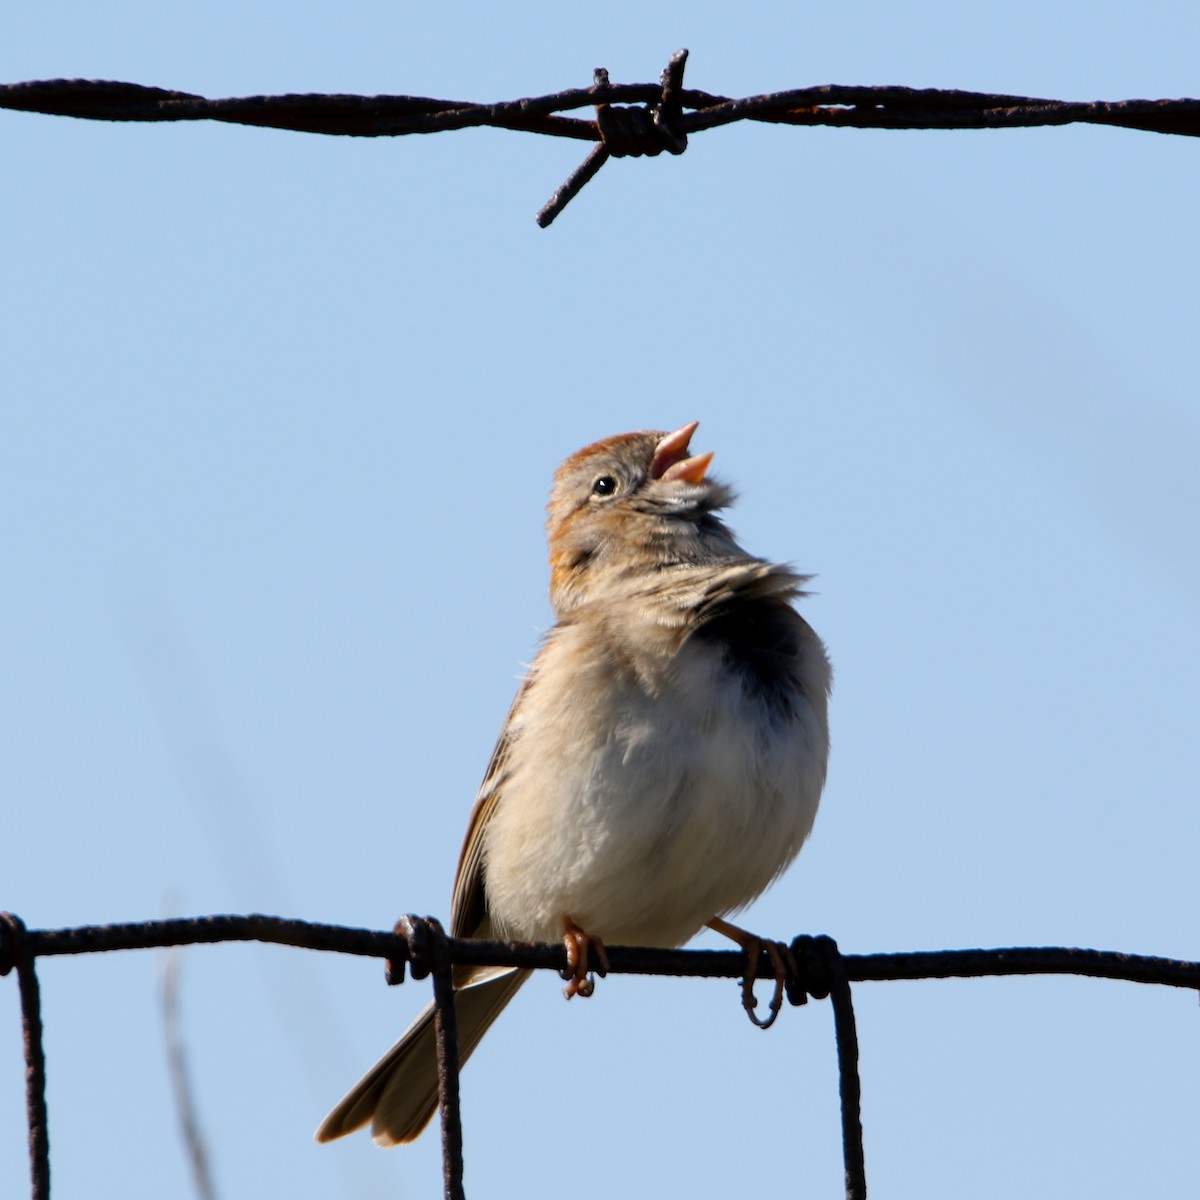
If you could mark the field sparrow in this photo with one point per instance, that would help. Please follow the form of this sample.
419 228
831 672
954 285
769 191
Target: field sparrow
661 764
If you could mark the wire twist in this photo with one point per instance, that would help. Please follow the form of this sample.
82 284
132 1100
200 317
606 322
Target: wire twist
627 132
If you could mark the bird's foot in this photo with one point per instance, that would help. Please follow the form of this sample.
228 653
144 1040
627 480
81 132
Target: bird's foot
783 962
581 946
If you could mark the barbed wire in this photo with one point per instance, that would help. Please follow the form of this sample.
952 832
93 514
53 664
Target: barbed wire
420 945
653 119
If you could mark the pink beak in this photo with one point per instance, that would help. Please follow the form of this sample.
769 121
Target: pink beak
671 459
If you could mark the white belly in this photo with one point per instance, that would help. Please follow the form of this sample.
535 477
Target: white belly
642 814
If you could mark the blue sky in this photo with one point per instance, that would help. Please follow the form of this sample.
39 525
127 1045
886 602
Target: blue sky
279 417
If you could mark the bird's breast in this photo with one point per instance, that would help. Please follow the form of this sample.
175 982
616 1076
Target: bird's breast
644 805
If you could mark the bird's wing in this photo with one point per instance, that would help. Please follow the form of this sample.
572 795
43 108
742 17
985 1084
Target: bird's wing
468 909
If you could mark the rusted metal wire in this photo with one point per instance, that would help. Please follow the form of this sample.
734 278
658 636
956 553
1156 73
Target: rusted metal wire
849 1084
446 1028
821 971
15 952
627 132
627 960
662 112
429 955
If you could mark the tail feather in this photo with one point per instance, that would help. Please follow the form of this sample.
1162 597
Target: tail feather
399 1094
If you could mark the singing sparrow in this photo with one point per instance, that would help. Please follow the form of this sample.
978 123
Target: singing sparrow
661 764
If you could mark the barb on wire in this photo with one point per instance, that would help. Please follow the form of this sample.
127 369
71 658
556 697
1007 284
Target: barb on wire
627 132
660 121
817 968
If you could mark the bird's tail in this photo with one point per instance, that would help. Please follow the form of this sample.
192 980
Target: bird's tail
399 1094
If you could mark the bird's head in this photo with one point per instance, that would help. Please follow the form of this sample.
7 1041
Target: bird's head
628 506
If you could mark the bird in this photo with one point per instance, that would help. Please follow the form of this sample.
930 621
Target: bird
660 766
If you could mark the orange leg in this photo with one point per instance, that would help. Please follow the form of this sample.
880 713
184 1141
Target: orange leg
580 947
782 961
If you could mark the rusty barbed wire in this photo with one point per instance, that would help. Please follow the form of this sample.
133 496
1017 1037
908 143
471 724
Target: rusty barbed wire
421 945
659 123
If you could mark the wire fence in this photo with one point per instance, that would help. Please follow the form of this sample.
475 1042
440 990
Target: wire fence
643 119
651 118
419 945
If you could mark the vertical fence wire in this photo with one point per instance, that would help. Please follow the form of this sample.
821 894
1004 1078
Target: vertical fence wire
15 953
446 1028
849 1083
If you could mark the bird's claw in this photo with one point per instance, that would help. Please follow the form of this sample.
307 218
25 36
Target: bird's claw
783 962
581 946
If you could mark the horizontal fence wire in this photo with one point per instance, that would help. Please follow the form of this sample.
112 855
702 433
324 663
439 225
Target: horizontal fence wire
659 116
419 945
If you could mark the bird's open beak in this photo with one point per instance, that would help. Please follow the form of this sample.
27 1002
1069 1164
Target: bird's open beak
671 459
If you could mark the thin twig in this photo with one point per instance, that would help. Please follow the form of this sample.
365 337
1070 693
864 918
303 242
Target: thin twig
181 1084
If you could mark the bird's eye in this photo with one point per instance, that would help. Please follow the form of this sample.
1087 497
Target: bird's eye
606 485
